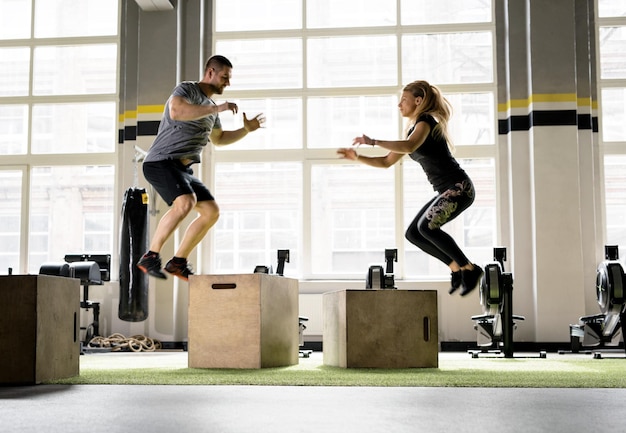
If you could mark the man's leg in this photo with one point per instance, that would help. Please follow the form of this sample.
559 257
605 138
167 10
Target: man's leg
181 207
150 263
208 214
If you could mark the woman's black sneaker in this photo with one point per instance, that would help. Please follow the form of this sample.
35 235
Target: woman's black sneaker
456 279
150 263
471 278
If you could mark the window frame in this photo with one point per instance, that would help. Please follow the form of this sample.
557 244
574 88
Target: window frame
312 156
27 161
607 148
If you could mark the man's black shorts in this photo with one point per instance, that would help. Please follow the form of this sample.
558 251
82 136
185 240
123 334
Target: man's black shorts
171 178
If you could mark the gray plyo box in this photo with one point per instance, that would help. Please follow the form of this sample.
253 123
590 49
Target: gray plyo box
381 328
39 323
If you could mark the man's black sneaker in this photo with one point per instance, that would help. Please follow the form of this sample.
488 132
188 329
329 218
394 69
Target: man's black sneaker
471 278
151 265
180 270
456 279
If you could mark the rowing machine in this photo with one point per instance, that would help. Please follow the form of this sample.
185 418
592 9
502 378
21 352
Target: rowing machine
496 325
607 328
377 278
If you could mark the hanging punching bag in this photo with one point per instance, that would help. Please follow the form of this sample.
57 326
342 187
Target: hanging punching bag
133 305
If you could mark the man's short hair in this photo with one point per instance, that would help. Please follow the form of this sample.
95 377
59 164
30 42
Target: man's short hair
217 62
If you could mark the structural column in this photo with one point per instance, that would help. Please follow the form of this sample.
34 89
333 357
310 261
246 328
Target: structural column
159 49
545 134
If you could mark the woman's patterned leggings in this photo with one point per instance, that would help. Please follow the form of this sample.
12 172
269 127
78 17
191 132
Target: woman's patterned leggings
425 230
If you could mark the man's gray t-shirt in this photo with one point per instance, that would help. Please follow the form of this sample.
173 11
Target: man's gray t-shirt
183 139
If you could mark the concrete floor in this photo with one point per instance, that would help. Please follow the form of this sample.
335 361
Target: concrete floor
248 409
258 409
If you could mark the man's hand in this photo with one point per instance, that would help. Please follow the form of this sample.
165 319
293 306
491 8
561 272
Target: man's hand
228 106
253 124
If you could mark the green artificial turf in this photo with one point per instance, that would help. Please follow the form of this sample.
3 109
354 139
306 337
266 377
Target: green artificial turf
555 371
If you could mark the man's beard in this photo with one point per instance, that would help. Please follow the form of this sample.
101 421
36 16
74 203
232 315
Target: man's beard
215 89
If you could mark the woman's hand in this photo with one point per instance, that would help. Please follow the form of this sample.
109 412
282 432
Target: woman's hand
253 124
363 139
348 154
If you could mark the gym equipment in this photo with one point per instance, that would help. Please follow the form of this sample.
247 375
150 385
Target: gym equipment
496 325
305 353
90 269
262 269
380 328
133 301
607 328
283 256
242 321
38 328
379 279
59 269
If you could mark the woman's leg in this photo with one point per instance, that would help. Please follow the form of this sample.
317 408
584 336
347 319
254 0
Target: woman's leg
425 232
441 210
414 236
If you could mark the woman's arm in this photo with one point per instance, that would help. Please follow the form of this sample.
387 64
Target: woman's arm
415 140
373 161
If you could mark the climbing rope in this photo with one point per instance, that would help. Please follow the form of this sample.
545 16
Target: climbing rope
118 342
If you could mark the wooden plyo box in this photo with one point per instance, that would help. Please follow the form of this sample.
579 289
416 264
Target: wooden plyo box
39 323
242 321
381 328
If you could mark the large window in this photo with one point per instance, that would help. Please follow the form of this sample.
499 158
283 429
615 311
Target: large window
323 72
260 213
612 82
58 114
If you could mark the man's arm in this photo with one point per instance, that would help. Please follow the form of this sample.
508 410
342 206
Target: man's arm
181 110
220 137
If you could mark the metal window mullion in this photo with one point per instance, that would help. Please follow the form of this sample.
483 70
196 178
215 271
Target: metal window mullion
305 219
25 226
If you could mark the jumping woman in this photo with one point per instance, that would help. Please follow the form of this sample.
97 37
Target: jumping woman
427 143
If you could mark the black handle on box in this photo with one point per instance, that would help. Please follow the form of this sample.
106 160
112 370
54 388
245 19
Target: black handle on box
426 328
224 286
